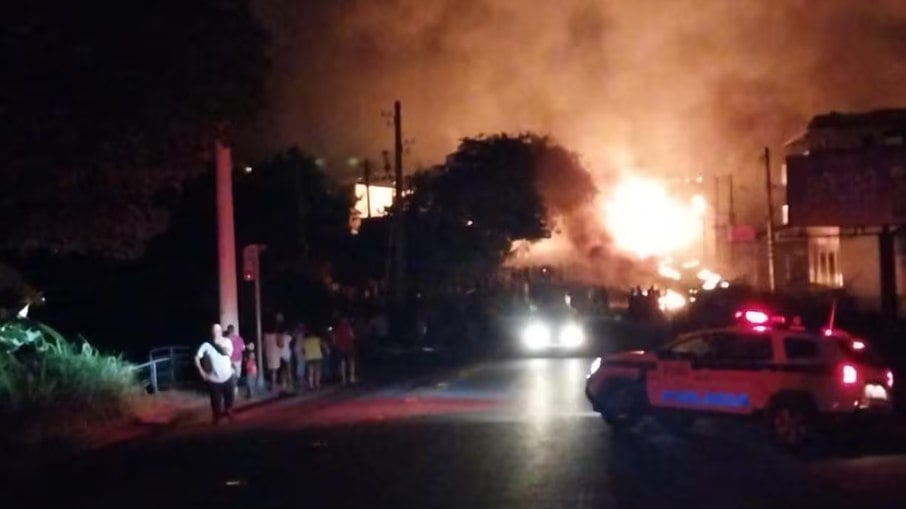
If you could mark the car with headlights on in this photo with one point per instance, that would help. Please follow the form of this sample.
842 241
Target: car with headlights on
551 331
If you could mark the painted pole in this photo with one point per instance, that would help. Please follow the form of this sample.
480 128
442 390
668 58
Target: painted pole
226 237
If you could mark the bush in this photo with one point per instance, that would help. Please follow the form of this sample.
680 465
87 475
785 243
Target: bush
49 383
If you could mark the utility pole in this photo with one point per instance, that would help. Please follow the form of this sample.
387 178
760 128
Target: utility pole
730 238
398 152
226 236
770 225
399 252
732 212
717 226
366 168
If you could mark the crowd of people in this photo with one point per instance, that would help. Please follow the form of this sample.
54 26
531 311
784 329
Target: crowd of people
294 357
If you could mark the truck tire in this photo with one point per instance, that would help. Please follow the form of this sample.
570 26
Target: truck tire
622 405
790 423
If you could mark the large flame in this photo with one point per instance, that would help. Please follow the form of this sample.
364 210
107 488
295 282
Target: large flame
647 222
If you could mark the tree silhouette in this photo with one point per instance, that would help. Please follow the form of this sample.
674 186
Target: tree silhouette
108 106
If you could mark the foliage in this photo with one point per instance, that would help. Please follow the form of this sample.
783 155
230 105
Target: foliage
43 376
108 106
15 292
289 204
465 214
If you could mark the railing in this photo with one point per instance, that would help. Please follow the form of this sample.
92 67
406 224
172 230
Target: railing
165 367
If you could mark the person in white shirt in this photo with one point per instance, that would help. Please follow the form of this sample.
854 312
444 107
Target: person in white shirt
273 351
214 366
271 358
284 341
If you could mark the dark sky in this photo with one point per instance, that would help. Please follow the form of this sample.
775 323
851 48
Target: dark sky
670 87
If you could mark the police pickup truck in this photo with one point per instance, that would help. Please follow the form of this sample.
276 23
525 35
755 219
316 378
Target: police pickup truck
793 378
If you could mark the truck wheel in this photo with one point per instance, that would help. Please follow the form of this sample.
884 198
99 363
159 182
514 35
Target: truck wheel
789 424
622 405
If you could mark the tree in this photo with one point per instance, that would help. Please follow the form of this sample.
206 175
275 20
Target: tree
292 206
108 106
465 214
289 204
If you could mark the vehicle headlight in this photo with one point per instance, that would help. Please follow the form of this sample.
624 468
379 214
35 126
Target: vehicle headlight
536 336
595 366
572 335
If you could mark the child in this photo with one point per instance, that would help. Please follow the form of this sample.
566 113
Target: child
251 369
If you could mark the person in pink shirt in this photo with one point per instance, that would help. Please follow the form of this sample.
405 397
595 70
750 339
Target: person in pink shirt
238 349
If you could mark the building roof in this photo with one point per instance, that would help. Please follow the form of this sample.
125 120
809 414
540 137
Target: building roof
885 118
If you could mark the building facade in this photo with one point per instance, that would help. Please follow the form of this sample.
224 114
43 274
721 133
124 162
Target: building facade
845 255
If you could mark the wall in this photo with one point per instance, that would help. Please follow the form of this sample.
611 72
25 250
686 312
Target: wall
860 267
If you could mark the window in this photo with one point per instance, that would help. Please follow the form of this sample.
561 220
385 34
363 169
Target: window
742 347
831 268
689 348
800 348
695 347
822 267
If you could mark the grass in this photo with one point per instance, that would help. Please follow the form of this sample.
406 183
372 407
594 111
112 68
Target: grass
51 387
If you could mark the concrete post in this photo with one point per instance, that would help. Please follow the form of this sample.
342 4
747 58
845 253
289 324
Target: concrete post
226 237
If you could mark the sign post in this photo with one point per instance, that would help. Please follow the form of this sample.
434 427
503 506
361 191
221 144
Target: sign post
251 272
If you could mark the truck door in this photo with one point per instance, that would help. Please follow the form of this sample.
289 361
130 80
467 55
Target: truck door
676 382
736 375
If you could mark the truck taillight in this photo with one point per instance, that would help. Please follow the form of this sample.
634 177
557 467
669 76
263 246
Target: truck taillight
889 378
850 374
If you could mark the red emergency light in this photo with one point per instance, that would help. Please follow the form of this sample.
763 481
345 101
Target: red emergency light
753 316
760 317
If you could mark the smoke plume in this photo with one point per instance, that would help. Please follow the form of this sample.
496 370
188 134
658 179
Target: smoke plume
679 87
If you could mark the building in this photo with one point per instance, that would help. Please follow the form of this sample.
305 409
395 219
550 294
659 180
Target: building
840 227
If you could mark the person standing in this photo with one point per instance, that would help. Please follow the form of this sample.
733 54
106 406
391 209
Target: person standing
238 348
251 370
298 357
344 341
313 349
212 360
272 351
284 340
271 358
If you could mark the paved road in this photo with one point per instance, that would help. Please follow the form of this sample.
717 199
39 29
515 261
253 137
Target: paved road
512 433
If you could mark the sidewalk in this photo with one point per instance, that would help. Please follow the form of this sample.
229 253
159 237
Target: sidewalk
170 411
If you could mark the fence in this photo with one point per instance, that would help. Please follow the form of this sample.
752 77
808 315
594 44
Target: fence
166 368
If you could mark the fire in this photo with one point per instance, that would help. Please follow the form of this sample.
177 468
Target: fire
671 301
645 221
